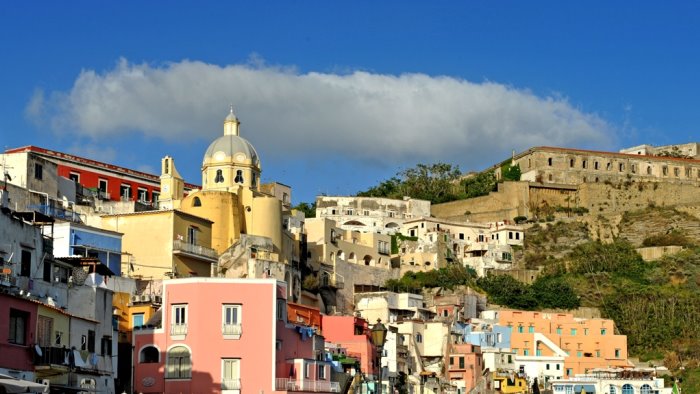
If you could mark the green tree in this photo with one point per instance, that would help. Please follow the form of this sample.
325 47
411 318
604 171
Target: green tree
554 292
432 182
308 209
480 184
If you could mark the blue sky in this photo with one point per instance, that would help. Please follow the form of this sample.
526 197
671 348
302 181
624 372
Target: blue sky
338 96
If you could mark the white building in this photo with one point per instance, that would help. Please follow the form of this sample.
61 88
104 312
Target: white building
370 214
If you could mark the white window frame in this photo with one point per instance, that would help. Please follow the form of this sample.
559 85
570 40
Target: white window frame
143 190
178 321
231 329
76 175
101 181
233 381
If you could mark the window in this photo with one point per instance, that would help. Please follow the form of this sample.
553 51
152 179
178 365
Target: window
25 263
38 171
196 202
585 331
595 165
573 332
125 191
579 354
517 235
91 341
178 364
526 352
612 389
321 372
617 353
74 176
569 371
608 166
155 196
538 353
307 370
365 212
419 338
597 353
664 170
515 350
461 363
558 330
231 374
137 320
648 170
520 329
627 389
231 321
633 168
254 182
219 178
192 235
142 194
239 176
531 329
571 162
584 164
106 346
603 331
18 327
568 390
281 309
645 389
149 354
548 367
102 185
621 167
178 322
549 161
44 328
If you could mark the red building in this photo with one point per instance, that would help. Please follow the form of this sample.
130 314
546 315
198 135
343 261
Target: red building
110 182
17 335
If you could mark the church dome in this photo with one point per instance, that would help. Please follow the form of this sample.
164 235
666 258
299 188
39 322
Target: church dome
231 148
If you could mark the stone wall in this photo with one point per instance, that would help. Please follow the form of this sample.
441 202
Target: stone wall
509 201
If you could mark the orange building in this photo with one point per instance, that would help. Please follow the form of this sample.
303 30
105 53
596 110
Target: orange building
588 343
465 365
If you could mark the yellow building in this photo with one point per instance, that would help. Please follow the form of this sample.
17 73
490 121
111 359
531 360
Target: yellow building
179 244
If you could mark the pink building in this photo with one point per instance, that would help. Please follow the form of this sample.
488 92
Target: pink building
228 335
17 335
352 333
466 365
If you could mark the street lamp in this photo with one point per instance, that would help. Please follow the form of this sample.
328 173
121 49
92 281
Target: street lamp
378 336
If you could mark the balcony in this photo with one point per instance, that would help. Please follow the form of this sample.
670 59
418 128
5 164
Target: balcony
318 386
231 331
56 213
202 252
231 384
51 356
178 329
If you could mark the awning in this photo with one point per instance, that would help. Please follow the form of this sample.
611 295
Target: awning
14 385
59 388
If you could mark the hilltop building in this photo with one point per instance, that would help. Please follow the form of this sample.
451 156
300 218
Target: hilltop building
370 214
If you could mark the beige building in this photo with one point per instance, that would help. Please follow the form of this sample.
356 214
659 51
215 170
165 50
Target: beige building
179 244
564 166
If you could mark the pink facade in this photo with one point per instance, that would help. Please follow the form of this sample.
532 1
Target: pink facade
227 335
465 364
352 333
17 343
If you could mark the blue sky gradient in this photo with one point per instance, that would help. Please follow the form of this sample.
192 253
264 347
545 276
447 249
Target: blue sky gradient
337 96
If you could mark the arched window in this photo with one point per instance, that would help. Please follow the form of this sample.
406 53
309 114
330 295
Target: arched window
149 354
368 260
239 176
645 389
179 365
627 389
196 202
219 176
648 170
612 389
351 257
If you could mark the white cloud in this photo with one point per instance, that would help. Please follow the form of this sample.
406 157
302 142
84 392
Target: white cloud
385 118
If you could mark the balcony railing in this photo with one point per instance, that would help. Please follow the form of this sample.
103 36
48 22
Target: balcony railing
231 384
55 212
194 249
231 329
178 329
319 386
51 356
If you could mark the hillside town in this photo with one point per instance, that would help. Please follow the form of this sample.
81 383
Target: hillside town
115 280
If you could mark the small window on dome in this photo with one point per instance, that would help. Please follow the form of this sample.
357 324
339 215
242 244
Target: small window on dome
239 176
196 202
219 177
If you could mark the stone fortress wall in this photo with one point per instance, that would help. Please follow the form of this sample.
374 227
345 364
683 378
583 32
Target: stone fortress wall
601 182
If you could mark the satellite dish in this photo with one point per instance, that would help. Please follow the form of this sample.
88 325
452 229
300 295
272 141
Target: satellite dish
38 350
